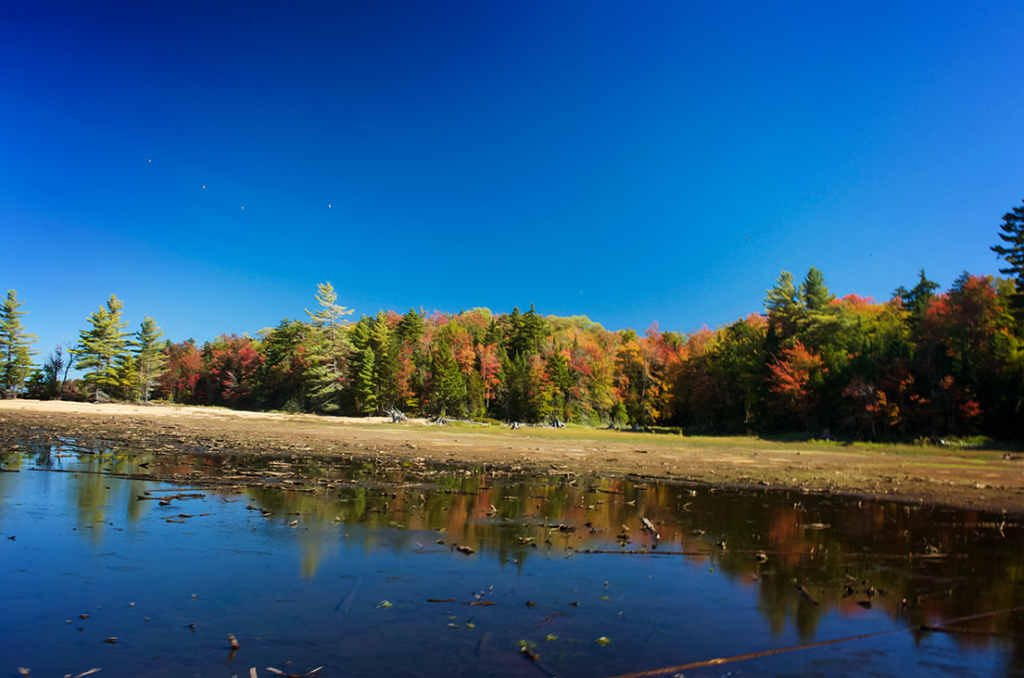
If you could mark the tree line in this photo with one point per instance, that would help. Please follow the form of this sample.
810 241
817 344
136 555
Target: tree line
922 363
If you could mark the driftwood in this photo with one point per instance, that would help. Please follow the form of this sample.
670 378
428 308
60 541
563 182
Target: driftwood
397 416
649 527
807 594
515 426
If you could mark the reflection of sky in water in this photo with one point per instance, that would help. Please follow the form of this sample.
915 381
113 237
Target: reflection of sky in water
311 595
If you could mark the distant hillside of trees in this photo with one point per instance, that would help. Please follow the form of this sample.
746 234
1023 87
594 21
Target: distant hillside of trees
922 363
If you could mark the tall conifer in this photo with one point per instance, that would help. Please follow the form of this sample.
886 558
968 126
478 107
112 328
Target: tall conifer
1013 235
150 358
14 345
100 346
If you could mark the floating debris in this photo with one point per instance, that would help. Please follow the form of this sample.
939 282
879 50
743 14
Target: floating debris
806 594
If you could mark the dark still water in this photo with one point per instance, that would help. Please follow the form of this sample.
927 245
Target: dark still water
385 569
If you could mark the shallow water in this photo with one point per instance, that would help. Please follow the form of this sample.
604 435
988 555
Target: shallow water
341 572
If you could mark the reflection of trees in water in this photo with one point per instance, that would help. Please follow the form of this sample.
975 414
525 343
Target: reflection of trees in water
844 551
847 552
89 495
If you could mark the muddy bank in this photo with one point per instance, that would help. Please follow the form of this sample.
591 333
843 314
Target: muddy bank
984 479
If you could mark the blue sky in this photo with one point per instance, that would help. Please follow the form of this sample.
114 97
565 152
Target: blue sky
627 161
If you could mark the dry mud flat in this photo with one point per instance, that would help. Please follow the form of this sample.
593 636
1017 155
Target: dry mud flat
983 479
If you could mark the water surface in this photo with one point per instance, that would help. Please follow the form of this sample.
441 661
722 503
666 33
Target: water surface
313 564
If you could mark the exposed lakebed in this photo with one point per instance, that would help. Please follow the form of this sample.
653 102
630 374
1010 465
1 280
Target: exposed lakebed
374 566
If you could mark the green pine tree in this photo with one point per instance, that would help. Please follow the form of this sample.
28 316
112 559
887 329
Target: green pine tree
448 384
411 327
150 358
365 388
327 351
330 314
1013 235
324 376
916 300
814 293
127 377
784 304
100 346
385 353
14 346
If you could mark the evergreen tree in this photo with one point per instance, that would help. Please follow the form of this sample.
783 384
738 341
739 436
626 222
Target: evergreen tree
100 346
325 381
330 314
363 367
784 304
51 372
916 300
150 358
14 345
813 292
1013 235
326 374
411 327
127 377
524 332
449 387
385 353
365 390
282 382
493 334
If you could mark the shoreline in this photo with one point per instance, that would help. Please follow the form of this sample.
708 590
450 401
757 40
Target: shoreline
965 478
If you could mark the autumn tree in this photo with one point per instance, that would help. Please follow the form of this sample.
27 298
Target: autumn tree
15 343
638 385
180 378
969 355
231 368
792 379
99 348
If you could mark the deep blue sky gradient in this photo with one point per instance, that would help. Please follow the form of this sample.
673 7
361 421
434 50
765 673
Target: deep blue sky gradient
628 161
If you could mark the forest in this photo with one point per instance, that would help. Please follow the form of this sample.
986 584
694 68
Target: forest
921 364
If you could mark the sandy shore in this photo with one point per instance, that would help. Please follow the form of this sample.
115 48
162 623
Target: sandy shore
984 479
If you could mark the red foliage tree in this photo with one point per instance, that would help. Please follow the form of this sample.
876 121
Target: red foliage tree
791 380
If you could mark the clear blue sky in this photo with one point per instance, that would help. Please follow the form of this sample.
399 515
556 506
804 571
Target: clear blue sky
628 161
